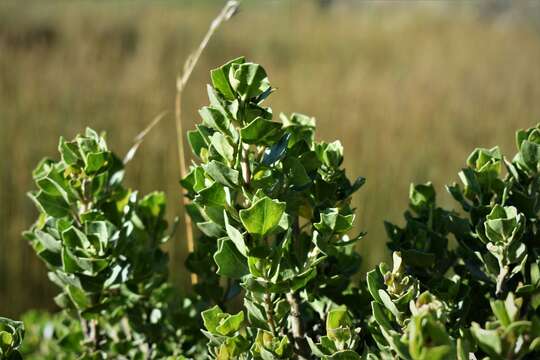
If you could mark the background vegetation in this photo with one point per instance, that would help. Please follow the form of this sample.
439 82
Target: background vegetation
428 78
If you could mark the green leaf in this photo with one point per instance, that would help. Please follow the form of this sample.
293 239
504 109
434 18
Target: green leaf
344 355
388 303
498 308
261 132
296 173
535 345
375 282
421 196
104 231
257 266
337 317
212 317
210 229
217 102
196 141
315 348
49 178
263 216
222 173
530 153
221 145
48 241
332 154
6 340
277 151
69 265
50 205
215 119
512 309
69 152
74 238
503 224
195 180
95 161
235 235
255 314
485 160
230 324
338 324
333 221
220 78
249 80
78 296
218 322
214 195
488 340
380 317
441 352
468 179
229 260
11 336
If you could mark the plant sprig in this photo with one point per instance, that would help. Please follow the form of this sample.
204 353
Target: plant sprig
276 204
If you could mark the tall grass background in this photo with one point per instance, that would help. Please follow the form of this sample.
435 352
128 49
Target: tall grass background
410 88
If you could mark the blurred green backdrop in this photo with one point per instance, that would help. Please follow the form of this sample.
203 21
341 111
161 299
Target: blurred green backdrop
410 88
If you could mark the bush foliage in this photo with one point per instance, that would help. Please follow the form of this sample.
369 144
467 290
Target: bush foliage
274 258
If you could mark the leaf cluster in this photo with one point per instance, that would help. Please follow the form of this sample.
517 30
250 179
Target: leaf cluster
101 243
465 283
274 204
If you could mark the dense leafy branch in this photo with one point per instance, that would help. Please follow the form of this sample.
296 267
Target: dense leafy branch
465 284
276 204
101 244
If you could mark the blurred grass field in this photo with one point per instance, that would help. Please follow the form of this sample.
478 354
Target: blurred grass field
409 88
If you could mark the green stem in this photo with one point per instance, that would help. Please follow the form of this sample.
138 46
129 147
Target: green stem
246 171
300 344
269 309
91 332
501 280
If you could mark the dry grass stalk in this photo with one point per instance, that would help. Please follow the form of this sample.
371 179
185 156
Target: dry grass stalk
137 141
226 13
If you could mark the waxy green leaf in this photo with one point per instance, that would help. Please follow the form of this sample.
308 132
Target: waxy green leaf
220 78
261 131
229 260
214 195
222 173
222 146
236 236
50 205
248 80
263 216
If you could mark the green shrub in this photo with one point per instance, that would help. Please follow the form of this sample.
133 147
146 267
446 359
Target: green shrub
275 204
274 261
466 281
101 244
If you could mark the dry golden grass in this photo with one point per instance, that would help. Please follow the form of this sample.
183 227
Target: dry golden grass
409 91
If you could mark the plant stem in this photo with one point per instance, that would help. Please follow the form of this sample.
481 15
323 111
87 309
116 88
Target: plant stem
183 172
501 280
91 332
269 308
300 344
246 172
